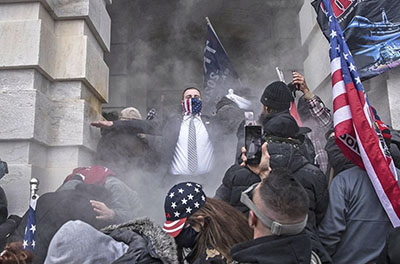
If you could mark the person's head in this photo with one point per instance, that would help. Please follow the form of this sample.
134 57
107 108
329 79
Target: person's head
191 101
276 98
278 205
129 113
199 222
191 92
211 223
14 253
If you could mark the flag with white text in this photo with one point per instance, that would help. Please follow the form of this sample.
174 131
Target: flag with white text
219 74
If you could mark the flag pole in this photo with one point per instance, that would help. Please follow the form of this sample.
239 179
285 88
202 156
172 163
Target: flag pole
219 41
215 33
34 186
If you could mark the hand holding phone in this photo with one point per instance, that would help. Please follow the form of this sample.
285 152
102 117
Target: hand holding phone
253 142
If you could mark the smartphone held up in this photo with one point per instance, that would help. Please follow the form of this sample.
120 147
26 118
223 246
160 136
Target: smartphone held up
253 142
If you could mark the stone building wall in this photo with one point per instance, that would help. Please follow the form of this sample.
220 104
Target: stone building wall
53 80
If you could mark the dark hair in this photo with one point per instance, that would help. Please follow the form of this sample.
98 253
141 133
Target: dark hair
15 254
224 226
284 195
190 88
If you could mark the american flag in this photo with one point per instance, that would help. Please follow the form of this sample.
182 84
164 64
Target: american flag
356 131
192 106
30 229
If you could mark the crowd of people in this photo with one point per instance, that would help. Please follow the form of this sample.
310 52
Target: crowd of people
302 201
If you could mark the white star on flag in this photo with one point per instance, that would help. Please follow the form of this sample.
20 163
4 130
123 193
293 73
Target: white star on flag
188 184
190 196
357 79
196 190
33 243
184 201
171 195
33 229
180 190
196 204
173 205
25 244
176 214
203 198
188 210
352 67
346 56
330 18
333 34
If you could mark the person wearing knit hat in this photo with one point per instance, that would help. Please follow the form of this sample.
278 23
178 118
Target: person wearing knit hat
277 96
200 223
275 116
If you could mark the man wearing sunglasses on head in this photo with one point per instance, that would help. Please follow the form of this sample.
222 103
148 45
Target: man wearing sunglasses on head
278 215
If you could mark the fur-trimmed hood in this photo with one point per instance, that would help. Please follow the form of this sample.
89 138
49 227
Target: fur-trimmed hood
146 241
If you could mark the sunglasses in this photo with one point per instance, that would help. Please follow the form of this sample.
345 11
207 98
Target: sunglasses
276 228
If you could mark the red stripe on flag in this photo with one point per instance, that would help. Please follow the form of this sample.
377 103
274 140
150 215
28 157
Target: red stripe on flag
340 101
337 77
188 106
345 127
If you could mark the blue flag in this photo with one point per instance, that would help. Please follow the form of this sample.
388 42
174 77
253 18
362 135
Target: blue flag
30 230
219 74
371 29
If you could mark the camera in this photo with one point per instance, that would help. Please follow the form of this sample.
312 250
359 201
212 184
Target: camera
3 168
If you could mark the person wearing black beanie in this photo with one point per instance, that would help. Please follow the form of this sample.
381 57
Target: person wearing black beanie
277 96
275 117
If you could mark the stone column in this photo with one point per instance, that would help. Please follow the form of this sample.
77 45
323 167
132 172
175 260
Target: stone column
53 80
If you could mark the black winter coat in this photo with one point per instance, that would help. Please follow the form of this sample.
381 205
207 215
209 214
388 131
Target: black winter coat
55 209
236 180
284 155
274 249
390 253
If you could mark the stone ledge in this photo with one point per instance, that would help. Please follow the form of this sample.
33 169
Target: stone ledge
40 44
94 12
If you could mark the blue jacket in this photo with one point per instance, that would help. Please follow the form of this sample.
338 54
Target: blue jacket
355 226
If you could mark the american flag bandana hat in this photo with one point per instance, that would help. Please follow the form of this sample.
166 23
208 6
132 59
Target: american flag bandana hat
192 106
183 200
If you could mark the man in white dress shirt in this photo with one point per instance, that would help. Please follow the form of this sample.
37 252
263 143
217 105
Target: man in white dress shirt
187 139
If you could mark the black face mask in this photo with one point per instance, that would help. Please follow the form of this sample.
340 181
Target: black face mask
186 238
